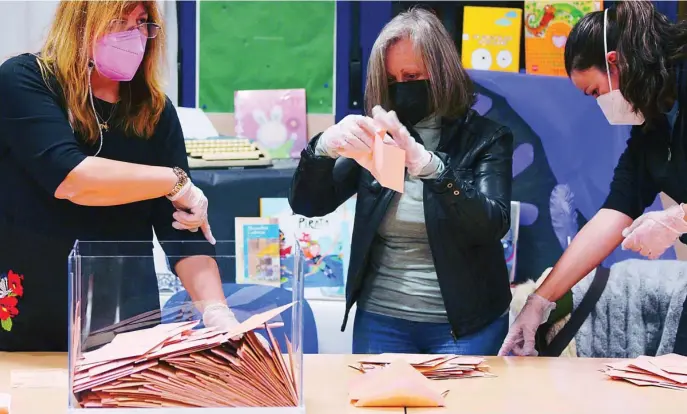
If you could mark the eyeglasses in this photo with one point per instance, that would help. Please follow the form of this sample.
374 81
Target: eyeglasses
149 30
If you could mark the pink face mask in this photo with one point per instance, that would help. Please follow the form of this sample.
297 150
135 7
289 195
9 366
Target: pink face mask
118 55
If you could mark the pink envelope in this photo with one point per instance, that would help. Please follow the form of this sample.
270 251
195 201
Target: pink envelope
386 162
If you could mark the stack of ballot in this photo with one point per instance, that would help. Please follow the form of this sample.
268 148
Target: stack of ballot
396 384
437 367
666 371
175 365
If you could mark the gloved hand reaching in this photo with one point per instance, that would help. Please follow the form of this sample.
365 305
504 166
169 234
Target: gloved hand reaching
192 210
520 338
417 157
354 133
218 315
654 232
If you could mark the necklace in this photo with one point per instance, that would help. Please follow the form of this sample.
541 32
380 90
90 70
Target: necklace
104 123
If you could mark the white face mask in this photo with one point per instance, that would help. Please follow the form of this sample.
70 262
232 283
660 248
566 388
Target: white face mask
615 107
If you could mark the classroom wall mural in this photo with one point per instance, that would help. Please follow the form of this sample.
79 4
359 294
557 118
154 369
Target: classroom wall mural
563 161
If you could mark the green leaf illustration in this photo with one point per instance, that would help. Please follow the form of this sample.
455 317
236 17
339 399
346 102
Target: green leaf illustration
6 324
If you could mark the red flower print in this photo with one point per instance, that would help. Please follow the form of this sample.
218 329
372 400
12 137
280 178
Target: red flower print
14 283
8 308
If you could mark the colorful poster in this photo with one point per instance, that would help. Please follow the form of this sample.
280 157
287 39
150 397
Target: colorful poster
547 25
325 242
275 119
257 251
491 38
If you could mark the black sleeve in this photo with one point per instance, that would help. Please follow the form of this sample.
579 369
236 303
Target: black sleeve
37 131
321 184
632 188
477 200
172 153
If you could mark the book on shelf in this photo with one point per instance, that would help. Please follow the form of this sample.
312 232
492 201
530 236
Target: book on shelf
491 38
257 251
324 241
276 119
547 26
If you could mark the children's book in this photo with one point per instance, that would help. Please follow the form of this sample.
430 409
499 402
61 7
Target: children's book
510 240
275 119
257 251
547 26
491 38
324 241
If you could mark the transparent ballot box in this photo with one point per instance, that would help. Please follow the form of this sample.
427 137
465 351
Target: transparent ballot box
149 328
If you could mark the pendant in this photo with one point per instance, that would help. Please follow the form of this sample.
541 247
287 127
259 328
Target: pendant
104 126
670 154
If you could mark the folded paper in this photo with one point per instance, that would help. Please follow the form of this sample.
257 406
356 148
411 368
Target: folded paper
175 365
385 161
396 385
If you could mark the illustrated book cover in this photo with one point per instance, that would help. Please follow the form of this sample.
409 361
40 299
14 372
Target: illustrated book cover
324 241
275 119
257 251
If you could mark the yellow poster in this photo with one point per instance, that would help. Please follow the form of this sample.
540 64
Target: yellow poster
547 26
491 38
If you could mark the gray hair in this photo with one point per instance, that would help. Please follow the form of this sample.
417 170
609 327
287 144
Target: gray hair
451 90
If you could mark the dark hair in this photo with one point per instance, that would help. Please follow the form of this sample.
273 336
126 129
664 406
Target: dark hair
647 44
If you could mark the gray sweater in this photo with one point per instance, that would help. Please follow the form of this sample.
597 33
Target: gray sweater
401 280
638 312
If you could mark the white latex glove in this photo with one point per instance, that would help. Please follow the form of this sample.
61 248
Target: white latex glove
417 157
654 232
192 211
353 133
520 338
219 316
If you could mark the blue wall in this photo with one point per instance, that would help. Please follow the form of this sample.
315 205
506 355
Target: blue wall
374 14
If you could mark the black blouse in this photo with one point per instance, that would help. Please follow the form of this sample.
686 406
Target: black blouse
38 149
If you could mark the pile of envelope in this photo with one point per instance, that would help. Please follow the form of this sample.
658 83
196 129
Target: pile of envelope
436 367
175 365
666 371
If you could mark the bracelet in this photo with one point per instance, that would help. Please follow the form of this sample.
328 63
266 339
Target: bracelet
182 179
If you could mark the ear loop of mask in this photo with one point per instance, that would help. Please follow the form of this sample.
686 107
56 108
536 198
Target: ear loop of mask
608 68
95 113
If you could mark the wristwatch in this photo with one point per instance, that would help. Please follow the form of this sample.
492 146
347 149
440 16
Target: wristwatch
182 179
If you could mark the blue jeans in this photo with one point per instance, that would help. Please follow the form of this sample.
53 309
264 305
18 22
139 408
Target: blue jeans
377 334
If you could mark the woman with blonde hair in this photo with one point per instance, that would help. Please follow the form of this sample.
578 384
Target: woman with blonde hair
427 268
91 149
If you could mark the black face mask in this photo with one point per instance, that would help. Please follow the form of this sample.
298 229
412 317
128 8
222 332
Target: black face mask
410 100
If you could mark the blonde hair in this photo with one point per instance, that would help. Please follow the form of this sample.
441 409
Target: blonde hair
451 90
66 54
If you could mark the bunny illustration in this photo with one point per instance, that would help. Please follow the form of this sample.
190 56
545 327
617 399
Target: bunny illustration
272 132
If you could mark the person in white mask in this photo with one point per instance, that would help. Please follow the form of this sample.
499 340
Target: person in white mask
631 59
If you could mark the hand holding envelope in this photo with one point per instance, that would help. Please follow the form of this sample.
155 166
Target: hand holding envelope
416 156
353 135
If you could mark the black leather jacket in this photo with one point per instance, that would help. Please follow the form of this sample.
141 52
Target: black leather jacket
467 212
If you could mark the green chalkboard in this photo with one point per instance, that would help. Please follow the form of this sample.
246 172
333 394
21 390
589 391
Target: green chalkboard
266 45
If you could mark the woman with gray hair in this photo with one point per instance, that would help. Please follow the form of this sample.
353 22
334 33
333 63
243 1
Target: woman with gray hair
427 267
